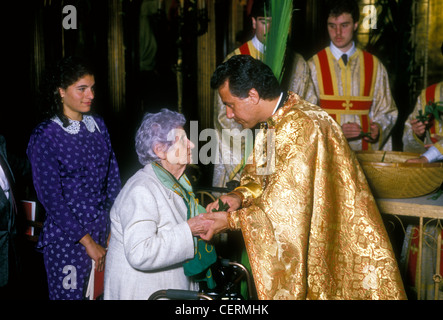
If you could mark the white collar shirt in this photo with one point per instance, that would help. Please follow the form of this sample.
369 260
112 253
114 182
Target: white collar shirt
337 53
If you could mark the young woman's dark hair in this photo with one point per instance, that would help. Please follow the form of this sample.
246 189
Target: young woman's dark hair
65 73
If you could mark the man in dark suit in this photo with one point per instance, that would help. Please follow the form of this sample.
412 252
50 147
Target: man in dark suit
8 213
8 223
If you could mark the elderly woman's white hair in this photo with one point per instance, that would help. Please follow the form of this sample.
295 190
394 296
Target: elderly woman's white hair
154 129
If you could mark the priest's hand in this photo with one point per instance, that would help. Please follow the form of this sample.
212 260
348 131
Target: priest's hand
233 201
220 223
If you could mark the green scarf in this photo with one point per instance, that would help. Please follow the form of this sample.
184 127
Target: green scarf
199 267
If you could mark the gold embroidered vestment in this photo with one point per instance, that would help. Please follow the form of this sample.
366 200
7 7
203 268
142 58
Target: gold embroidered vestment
311 226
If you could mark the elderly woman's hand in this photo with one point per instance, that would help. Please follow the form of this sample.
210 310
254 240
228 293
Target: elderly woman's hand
199 225
220 224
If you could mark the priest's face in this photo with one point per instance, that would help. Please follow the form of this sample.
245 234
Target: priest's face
341 30
242 110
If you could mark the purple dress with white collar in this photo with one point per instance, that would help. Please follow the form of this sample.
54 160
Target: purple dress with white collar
76 177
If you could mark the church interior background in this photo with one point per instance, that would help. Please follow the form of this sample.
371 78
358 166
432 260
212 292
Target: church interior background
151 54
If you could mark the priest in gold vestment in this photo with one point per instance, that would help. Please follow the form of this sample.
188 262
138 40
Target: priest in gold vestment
352 84
297 79
310 224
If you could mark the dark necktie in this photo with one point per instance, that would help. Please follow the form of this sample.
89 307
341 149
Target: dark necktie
344 57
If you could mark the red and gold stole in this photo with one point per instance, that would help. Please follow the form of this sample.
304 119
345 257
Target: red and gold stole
248 49
336 104
432 94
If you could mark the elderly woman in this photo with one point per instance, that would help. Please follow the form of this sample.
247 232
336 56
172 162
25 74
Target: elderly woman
155 220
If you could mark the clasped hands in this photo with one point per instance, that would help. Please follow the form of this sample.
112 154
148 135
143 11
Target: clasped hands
206 225
353 130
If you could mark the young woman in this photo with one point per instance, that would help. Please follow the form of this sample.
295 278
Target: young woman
76 177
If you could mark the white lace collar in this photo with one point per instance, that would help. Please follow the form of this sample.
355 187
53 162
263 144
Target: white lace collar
74 125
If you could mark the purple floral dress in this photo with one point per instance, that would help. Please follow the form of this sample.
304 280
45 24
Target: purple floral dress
76 177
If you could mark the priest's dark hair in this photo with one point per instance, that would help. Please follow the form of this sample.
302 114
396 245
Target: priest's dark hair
244 73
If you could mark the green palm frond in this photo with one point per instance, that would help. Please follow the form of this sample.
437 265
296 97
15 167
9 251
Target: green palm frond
275 46
431 109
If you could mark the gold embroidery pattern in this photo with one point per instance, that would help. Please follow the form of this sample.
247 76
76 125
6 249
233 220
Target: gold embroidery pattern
315 231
